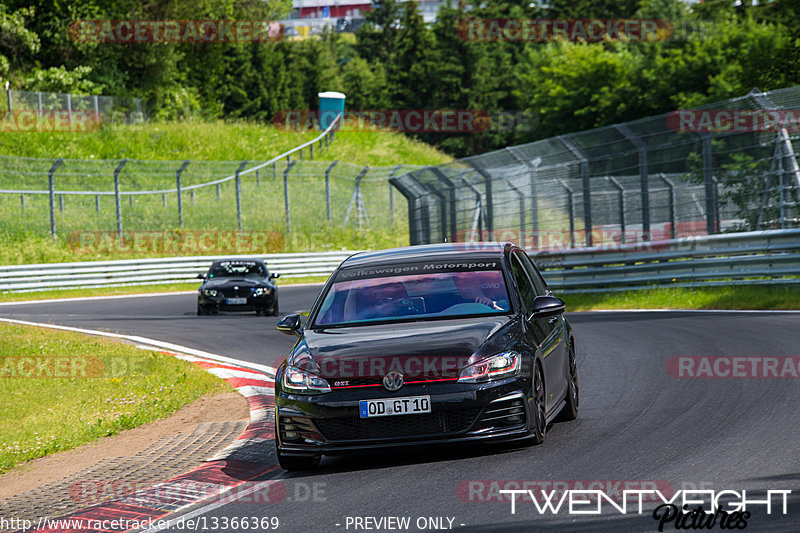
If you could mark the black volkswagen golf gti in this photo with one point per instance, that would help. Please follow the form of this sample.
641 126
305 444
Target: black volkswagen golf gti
435 344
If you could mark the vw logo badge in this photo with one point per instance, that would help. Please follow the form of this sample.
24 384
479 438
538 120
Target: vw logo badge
393 380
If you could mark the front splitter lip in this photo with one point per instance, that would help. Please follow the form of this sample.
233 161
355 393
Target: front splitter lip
511 435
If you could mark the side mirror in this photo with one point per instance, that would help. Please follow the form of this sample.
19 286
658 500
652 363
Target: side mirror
291 324
274 276
201 276
547 305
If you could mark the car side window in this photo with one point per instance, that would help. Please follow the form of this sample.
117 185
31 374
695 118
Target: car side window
533 273
526 290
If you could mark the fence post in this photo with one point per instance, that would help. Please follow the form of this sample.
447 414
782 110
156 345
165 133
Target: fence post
180 193
258 179
97 203
22 200
391 194
130 200
641 146
487 180
96 110
69 107
8 96
61 203
191 196
521 196
571 207
163 200
671 204
286 196
239 195
311 152
52 192
621 205
218 192
708 175
328 190
587 187
116 198
477 221
358 201
452 201
533 166
39 98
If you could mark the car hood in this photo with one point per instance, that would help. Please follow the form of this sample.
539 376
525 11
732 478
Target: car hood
437 348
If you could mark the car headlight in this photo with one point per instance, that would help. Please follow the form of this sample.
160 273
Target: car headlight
209 292
261 291
497 366
300 381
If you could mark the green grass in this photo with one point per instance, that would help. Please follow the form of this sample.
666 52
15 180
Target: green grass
82 388
216 141
723 297
157 150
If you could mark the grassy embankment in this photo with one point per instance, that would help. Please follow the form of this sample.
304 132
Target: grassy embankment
59 390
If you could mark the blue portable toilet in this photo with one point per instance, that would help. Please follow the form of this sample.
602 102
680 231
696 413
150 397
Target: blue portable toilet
331 104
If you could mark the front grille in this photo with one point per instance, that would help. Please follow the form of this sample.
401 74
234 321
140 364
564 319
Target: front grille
230 292
387 427
503 415
378 381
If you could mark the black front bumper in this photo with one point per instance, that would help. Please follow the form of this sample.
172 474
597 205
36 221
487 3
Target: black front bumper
254 303
460 413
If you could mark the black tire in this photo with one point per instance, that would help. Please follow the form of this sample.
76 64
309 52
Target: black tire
539 406
201 310
570 410
274 311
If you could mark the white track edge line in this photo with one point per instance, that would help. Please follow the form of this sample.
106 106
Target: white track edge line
151 342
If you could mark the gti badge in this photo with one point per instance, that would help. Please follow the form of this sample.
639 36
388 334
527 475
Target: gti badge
393 380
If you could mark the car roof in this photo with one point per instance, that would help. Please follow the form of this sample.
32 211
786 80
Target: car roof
238 260
430 252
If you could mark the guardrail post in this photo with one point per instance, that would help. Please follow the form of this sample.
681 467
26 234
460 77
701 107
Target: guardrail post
708 174
286 196
672 213
180 194
239 195
328 190
117 198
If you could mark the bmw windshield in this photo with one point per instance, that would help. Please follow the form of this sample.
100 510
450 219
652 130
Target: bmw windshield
413 292
237 269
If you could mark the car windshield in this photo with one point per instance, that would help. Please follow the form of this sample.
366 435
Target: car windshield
414 297
237 269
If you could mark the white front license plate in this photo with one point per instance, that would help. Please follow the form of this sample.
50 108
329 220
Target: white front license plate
236 301
410 405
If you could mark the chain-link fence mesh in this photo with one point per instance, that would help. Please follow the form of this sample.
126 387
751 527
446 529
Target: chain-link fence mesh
315 204
643 180
107 108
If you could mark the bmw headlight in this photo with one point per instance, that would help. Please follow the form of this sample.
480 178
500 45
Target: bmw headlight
300 381
261 291
497 366
210 292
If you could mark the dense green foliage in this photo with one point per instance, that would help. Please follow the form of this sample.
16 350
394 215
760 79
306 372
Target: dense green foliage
717 51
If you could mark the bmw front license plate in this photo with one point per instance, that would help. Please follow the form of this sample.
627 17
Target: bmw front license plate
410 405
236 301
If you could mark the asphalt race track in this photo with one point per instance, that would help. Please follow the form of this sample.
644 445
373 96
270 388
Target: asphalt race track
636 423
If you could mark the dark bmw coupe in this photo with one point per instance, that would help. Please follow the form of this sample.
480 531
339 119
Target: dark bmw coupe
238 285
447 343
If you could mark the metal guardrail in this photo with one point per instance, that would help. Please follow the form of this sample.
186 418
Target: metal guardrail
756 257
155 271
